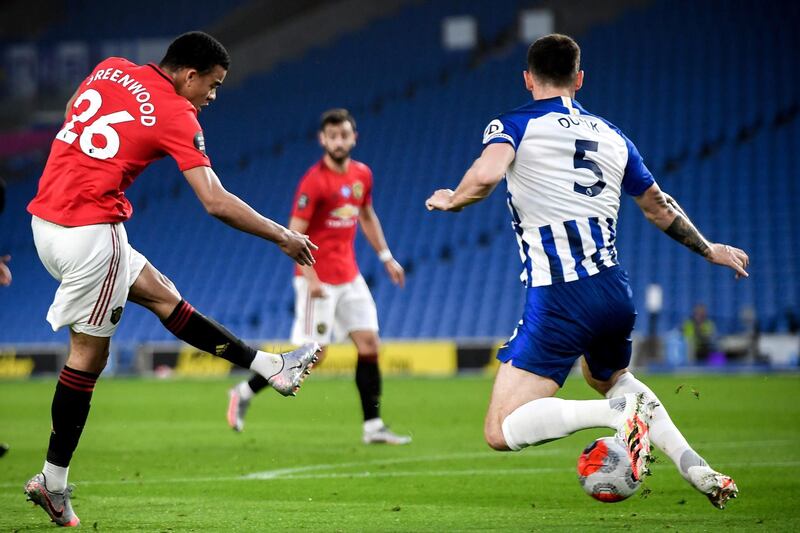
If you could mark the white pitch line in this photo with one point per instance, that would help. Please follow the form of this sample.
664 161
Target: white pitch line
369 474
286 473
493 471
283 472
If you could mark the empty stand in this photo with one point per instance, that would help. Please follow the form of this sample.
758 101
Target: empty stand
711 103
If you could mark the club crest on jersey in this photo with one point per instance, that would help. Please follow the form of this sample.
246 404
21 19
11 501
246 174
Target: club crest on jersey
345 190
199 141
358 190
495 131
302 201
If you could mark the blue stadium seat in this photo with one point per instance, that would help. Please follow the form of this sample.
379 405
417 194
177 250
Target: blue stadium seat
706 128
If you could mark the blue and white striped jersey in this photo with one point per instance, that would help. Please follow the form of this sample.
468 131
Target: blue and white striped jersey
564 187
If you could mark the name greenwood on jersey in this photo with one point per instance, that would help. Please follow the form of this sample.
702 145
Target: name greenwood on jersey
124 117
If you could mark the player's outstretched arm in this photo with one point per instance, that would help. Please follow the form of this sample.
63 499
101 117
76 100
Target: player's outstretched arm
233 211
663 211
373 231
479 181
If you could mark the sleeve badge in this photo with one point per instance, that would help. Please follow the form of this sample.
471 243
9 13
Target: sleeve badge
302 201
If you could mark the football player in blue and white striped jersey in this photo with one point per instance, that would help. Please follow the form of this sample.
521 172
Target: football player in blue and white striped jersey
565 170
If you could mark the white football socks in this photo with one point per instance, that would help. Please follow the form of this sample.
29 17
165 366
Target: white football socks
372 425
663 432
267 364
55 477
244 391
547 419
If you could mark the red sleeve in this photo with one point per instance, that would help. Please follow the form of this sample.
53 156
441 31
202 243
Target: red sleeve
368 187
306 198
183 140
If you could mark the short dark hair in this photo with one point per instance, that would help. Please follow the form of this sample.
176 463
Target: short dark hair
336 116
555 59
197 50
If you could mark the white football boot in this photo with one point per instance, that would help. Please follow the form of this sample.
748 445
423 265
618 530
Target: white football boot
297 365
376 432
717 487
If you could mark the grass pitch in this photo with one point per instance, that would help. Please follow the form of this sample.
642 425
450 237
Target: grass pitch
158 456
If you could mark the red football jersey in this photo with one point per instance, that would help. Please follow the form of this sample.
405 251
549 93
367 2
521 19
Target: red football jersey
125 116
331 202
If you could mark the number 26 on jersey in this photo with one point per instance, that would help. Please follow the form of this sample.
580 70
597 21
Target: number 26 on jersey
102 127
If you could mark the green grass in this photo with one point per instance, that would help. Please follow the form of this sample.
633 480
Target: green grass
157 456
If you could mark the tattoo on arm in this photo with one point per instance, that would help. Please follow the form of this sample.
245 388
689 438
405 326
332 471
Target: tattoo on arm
663 201
674 205
683 231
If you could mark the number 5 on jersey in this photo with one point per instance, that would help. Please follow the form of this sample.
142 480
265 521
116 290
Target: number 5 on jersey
580 161
101 127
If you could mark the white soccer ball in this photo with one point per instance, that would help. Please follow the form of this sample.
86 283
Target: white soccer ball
605 472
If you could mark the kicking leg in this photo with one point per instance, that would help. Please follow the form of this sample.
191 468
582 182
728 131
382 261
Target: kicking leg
69 411
663 433
285 372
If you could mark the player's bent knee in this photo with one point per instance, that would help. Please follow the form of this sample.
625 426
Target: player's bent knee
370 348
366 343
155 291
603 387
493 434
88 353
600 386
495 439
88 362
167 292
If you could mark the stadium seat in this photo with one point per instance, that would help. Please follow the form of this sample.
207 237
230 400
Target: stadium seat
717 135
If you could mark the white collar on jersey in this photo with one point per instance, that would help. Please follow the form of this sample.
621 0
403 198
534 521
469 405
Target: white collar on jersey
567 101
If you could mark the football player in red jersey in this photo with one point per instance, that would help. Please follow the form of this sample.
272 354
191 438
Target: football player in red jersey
332 299
120 119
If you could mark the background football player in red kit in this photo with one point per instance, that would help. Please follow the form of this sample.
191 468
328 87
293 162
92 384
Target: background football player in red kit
332 299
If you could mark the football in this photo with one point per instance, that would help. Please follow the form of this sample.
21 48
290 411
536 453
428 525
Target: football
604 471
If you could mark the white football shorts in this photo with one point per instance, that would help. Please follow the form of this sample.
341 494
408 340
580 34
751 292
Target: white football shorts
347 307
95 266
